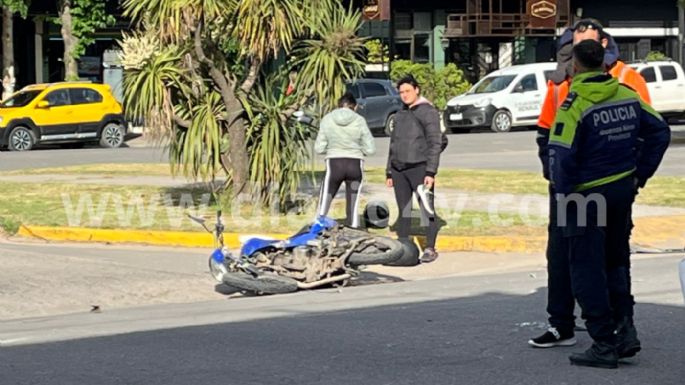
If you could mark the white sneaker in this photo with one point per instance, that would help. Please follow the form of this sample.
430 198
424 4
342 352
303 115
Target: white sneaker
423 193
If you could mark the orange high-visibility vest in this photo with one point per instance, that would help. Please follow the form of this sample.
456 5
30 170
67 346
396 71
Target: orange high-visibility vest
556 93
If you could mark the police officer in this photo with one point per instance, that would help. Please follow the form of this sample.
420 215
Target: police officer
595 170
560 302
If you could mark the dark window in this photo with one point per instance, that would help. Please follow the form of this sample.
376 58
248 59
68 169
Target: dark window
528 83
422 48
668 73
20 99
58 98
648 74
354 90
403 49
84 96
373 89
403 20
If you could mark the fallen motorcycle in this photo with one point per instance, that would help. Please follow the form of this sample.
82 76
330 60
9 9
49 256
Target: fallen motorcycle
322 253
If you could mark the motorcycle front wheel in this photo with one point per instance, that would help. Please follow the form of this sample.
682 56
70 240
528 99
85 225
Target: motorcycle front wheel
265 283
383 250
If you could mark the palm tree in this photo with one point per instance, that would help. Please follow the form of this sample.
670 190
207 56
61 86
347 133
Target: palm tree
196 71
9 9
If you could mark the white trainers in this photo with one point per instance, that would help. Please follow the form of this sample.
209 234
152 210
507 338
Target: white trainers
423 194
551 338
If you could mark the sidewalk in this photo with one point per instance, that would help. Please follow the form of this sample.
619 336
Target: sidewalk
44 279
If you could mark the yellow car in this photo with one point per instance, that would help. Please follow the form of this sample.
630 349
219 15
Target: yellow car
67 112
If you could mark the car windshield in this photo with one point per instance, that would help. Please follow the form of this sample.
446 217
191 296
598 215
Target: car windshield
20 99
492 84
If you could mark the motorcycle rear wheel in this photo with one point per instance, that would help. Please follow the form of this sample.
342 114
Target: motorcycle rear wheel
383 250
266 283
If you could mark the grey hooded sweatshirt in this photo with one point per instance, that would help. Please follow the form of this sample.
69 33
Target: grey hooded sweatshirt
344 134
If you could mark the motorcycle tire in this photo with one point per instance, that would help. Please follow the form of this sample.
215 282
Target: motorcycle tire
410 254
266 283
389 251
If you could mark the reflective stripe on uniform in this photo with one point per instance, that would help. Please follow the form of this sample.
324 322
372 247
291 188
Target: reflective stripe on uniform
622 75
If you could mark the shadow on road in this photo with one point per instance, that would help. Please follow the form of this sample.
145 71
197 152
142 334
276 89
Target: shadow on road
471 340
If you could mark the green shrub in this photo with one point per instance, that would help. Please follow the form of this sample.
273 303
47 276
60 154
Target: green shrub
437 86
376 52
9 225
656 55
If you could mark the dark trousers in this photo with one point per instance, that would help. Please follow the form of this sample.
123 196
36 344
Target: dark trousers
339 170
560 299
597 255
405 183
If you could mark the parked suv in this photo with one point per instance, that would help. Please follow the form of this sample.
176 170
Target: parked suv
666 85
66 112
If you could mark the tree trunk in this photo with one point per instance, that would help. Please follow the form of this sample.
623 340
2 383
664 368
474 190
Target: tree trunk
237 160
70 42
8 79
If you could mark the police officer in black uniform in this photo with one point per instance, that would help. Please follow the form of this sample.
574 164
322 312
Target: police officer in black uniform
596 169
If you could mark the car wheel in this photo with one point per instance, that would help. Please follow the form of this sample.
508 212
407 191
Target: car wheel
389 124
501 121
21 139
112 136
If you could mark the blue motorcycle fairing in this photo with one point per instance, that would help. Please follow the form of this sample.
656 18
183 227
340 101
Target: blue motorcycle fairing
257 244
218 256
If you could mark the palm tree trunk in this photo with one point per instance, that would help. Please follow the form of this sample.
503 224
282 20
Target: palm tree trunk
70 41
8 79
237 160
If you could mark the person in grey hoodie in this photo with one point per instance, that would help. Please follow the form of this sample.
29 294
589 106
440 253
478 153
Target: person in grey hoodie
415 146
345 139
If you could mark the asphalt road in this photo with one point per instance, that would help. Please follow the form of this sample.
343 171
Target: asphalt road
466 330
481 150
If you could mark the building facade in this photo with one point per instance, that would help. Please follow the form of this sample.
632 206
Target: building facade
483 35
477 35
38 46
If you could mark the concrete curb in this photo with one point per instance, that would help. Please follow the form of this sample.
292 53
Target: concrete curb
649 231
196 239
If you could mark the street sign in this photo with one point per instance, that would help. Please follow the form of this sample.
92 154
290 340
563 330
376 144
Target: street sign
543 13
376 10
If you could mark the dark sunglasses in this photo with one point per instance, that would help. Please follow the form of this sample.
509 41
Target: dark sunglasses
583 26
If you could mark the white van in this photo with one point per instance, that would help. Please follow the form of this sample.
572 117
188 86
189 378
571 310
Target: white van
503 99
666 84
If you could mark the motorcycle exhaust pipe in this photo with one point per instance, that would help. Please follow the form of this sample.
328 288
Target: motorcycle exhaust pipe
310 285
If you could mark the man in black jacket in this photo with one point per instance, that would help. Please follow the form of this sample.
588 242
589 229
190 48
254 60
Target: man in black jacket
415 146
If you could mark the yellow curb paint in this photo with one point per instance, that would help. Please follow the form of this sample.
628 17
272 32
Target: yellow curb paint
651 230
648 231
148 237
197 239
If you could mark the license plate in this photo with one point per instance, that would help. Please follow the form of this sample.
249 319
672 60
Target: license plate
456 116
